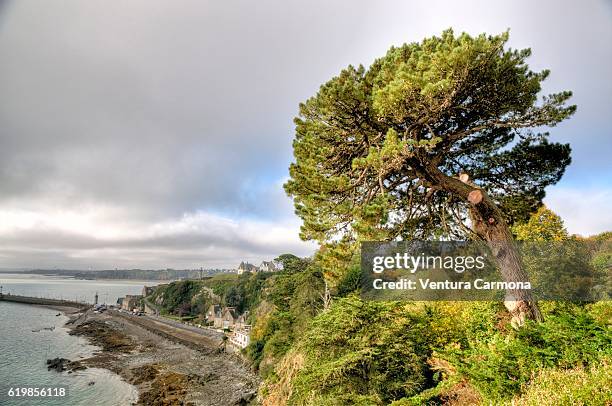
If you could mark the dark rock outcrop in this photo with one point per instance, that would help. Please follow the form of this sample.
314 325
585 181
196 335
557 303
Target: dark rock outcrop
57 364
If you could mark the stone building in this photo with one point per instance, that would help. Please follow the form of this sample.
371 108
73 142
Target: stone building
246 267
241 321
213 316
131 302
229 317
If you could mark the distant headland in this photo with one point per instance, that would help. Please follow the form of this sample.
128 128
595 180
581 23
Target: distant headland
125 274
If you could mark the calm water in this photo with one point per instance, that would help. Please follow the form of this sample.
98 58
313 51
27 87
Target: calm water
70 289
23 352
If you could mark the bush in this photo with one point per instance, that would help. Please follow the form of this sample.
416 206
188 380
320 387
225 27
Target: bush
602 312
370 351
177 296
411 353
351 282
499 364
577 386
291 300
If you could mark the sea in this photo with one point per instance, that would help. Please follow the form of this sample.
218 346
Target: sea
29 335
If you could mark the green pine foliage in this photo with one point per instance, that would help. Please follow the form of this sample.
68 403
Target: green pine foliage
377 353
364 352
378 149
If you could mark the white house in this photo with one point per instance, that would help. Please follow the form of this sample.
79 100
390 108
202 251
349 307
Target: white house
270 266
241 338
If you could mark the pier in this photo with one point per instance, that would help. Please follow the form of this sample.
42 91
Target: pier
42 301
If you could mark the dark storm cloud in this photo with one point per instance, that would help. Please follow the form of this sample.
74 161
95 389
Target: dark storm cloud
148 101
147 111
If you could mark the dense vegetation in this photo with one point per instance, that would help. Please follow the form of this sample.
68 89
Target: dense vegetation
284 315
376 353
192 298
356 352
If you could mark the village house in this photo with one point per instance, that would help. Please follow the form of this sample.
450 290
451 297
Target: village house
241 321
213 316
226 318
270 266
241 337
246 267
131 302
229 317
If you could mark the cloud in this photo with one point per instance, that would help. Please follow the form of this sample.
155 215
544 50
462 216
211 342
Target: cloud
585 211
190 241
123 121
185 106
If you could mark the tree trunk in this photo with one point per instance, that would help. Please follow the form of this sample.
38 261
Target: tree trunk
326 296
489 224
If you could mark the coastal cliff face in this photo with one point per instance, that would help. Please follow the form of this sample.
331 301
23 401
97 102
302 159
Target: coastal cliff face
191 299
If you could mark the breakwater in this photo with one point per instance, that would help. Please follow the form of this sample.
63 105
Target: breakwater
42 301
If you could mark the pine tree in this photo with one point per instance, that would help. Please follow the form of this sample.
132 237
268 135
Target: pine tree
435 139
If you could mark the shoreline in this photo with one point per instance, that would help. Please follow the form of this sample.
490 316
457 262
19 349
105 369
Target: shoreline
36 347
164 369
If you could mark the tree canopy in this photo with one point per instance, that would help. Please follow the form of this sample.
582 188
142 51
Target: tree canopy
378 151
544 225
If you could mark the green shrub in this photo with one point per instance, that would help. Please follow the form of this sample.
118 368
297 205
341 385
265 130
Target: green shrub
602 312
351 282
290 301
374 351
577 386
501 364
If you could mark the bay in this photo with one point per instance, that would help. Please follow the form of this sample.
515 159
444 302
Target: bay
29 335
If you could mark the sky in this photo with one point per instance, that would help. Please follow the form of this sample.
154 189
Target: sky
154 134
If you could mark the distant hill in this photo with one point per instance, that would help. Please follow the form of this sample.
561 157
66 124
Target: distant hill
133 274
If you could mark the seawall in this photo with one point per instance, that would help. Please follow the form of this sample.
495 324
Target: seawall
41 301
